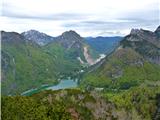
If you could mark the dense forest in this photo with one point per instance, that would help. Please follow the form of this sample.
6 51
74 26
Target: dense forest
137 103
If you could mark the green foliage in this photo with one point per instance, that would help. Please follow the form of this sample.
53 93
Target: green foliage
140 101
65 60
122 70
27 108
24 67
47 105
136 103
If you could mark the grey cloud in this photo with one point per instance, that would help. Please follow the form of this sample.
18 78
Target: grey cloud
60 16
143 16
111 33
99 24
112 28
134 19
9 10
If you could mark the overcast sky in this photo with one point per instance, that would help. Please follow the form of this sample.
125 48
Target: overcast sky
87 17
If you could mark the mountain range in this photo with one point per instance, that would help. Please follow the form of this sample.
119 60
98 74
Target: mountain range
144 42
134 61
30 56
123 85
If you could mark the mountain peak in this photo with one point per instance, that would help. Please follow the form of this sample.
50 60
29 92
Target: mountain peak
136 31
144 42
70 36
70 39
32 32
141 34
70 33
38 37
158 28
157 31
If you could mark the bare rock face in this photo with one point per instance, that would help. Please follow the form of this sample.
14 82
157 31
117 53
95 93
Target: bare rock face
140 35
158 32
145 42
88 57
38 37
135 31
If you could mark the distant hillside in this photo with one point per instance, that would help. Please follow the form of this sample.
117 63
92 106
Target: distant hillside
68 40
125 85
103 45
71 52
129 65
87 49
24 64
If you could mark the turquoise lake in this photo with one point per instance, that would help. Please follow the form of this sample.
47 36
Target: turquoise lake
63 85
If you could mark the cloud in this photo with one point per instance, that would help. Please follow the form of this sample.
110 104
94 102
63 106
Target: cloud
88 17
105 25
60 16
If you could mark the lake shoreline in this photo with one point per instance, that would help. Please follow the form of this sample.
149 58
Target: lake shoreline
63 84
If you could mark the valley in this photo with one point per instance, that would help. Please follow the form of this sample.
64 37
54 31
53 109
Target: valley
69 77
80 59
67 55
